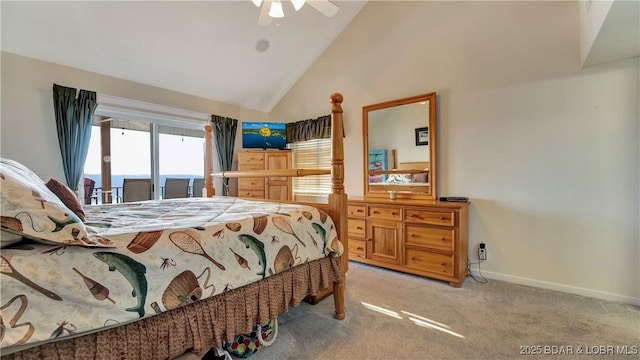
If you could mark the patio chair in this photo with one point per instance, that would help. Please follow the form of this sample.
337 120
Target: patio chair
89 186
136 190
198 185
175 188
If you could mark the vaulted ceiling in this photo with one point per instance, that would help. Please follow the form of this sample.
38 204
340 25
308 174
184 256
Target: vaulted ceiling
208 49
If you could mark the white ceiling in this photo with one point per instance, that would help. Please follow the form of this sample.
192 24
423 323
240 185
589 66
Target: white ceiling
202 48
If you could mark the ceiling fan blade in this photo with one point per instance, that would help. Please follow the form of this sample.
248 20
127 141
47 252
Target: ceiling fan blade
264 18
324 6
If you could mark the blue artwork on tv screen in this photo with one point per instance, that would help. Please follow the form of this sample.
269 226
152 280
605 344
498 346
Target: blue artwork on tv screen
264 135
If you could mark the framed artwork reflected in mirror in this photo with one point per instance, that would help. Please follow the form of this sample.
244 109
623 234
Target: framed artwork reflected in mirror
422 136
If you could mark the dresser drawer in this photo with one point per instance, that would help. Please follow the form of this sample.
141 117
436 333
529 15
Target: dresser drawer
386 213
250 160
251 184
356 249
355 210
432 262
256 194
432 217
435 238
355 227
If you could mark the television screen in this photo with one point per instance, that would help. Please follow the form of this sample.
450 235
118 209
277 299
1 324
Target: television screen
264 135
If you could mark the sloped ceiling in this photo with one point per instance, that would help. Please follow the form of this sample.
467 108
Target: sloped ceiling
203 48
619 36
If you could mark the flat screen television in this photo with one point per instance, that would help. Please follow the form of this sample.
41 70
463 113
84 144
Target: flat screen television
264 135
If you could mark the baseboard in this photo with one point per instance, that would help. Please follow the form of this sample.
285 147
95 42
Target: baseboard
559 287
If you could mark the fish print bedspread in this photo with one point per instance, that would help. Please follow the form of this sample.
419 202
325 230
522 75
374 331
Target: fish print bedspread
167 254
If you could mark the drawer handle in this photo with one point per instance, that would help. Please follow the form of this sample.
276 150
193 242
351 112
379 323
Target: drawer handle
443 239
393 213
413 258
413 235
360 228
376 212
443 264
369 239
359 210
359 248
416 216
442 218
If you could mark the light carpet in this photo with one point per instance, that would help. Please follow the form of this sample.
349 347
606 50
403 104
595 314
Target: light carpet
391 315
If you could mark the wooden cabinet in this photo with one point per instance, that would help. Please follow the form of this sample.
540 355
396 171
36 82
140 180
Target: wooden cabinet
272 188
417 237
384 233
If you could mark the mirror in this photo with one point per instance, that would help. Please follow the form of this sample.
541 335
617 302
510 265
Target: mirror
399 141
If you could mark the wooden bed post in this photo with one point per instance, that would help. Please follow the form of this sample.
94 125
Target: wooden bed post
338 199
208 161
337 202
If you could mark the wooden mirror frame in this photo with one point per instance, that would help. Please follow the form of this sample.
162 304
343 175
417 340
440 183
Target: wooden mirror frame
404 192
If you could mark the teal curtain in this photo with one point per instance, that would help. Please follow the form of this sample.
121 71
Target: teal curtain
73 120
225 136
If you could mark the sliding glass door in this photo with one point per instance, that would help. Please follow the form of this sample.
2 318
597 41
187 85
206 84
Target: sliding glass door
180 157
132 149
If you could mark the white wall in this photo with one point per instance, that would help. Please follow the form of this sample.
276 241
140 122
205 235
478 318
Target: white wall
27 121
548 152
385 133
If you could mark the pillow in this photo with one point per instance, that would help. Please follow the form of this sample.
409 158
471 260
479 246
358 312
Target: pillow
67 196
7 239
419 178
31 210
398 178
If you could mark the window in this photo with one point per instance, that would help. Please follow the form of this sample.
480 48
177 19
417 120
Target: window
143 140
181 155
129 154
312 154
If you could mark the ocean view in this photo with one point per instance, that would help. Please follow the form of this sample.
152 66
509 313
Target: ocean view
130 158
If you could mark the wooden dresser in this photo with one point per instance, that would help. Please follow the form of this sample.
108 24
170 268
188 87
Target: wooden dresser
273 188
427 238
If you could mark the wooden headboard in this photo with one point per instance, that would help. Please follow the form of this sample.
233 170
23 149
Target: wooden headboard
414 165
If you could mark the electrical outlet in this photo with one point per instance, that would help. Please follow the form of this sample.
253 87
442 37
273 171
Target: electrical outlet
482 252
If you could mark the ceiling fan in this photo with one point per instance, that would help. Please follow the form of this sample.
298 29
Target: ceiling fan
273 8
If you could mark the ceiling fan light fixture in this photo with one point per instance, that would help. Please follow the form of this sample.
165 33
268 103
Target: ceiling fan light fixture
276 10
298 4
270 9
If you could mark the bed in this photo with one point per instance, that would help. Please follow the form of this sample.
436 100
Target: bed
156 279
406 176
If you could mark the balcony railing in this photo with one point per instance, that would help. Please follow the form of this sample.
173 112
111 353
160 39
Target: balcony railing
115 195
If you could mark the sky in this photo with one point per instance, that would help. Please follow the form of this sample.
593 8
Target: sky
131 153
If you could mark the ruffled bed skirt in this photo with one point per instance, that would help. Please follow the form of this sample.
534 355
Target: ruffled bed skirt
198 326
